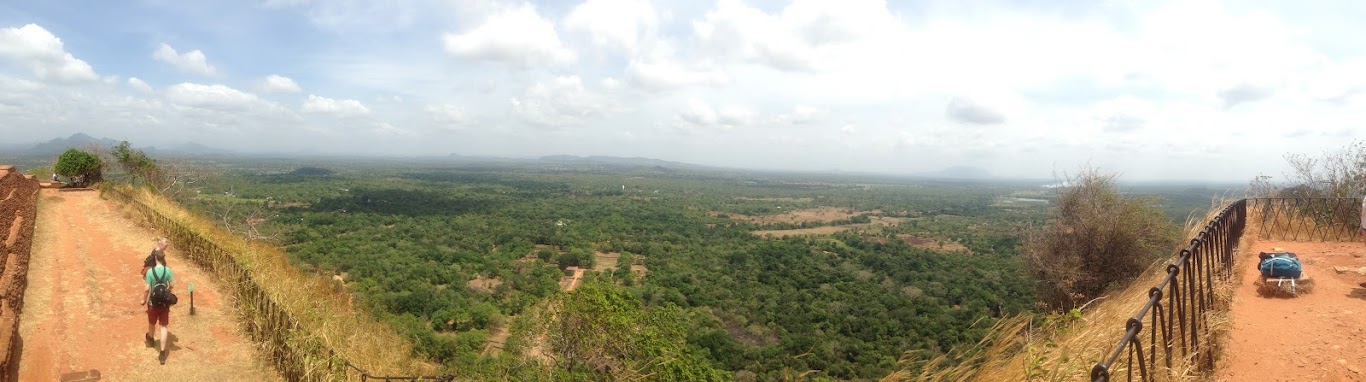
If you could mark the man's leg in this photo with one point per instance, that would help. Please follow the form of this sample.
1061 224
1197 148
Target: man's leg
151 327
164 332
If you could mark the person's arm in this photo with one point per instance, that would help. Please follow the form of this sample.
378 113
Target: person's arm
146 294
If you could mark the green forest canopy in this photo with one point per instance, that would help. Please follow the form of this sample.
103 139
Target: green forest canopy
410 237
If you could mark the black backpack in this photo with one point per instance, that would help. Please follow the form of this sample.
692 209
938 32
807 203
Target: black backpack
161 293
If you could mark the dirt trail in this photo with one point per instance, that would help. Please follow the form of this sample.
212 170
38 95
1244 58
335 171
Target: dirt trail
1317 336
81 310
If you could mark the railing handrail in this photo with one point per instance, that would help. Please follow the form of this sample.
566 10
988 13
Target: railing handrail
1188 289
1188 285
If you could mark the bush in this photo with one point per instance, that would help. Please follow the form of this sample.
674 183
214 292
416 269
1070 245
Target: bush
1095 238
77 163
136 162
1335 174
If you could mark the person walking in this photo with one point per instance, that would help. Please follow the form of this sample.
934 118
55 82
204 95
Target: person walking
158 310
151 261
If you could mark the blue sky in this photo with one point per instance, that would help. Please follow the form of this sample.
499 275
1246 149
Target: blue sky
1150 89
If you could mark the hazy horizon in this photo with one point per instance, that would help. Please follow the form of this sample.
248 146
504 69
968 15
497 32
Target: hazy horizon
1171 90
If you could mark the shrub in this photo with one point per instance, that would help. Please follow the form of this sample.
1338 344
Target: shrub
77 163
136 162
1335 174
1095 237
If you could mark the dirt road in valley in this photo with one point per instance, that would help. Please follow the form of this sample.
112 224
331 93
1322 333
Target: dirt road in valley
1318 336
81 314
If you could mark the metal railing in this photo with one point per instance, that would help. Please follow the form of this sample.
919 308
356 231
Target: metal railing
1307 219
1181 322
295 353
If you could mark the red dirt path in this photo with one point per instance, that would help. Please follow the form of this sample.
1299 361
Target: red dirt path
81 308
1318 336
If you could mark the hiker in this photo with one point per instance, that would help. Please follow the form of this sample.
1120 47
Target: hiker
158 311
151 261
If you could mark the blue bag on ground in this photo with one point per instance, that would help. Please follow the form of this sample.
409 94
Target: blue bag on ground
1282 264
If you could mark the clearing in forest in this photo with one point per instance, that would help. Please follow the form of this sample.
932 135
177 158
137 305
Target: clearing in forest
815 215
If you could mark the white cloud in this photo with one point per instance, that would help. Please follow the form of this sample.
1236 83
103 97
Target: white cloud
966 110
806 36
519 37
1244 92
19 86
802 115
735 116
213 97
1122 115
668 75
43 53
560 103
192 62
614 24
700 114
339 108
139 85
279 84
449 116
386 129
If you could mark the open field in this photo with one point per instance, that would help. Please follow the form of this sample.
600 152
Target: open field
798 216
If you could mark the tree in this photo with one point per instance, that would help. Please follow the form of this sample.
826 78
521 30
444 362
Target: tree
607 329
1095 238
1336 174
138 164
81 165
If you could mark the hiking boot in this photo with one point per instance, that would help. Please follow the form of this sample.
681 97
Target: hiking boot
149 341
162 357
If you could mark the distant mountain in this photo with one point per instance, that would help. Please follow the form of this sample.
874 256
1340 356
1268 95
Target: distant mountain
614 161
960 172
75 141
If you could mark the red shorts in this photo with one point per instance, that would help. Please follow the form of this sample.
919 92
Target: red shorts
159 314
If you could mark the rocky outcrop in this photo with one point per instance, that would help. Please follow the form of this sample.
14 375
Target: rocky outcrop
18 209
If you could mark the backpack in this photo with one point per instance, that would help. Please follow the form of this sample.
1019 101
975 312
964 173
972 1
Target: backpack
1282 264
161 293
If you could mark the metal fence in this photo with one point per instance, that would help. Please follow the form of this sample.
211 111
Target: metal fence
295 353
1181 322
1307 219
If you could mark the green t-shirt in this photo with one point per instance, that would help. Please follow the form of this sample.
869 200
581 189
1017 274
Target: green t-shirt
159 271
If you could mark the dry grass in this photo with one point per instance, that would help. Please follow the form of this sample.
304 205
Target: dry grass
1065 347
312 301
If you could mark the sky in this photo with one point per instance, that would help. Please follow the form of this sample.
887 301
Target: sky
1151 90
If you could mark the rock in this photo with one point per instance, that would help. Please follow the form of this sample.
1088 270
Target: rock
1361 271
1341 269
